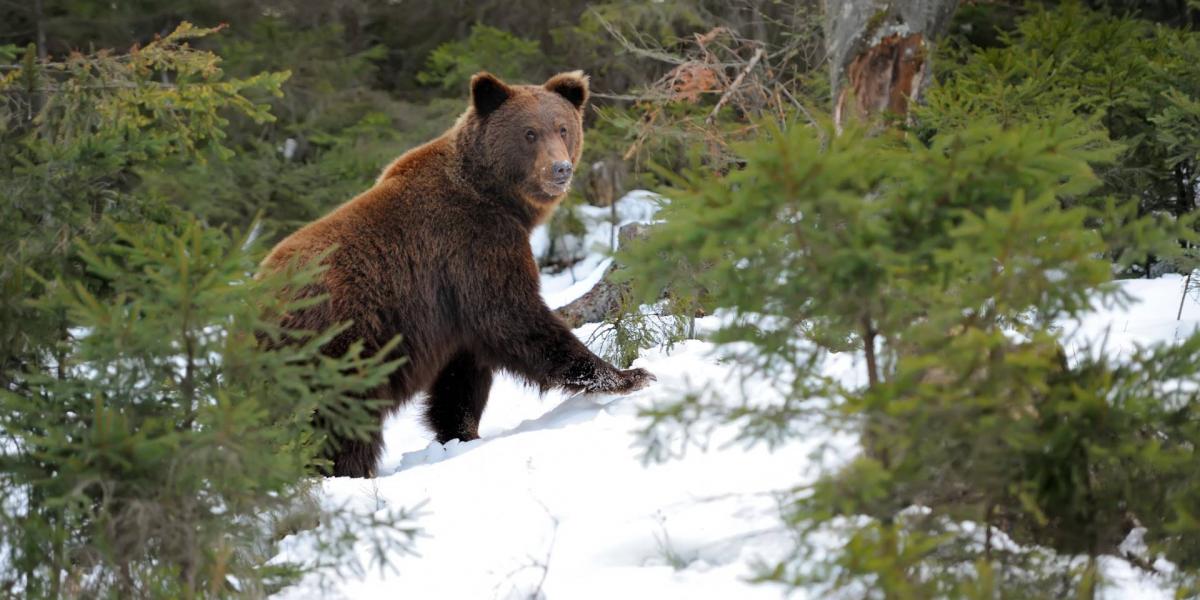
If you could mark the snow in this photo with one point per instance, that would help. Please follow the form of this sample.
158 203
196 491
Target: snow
559 289
1118 329
557 501
560 481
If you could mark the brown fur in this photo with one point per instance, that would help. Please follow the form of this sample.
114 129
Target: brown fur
438 253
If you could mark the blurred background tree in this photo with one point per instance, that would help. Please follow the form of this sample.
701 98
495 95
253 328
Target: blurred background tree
371 78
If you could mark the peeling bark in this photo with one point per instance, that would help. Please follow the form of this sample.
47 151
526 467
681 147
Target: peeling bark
878 52
884 78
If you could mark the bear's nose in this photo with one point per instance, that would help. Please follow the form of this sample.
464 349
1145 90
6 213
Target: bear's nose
561 170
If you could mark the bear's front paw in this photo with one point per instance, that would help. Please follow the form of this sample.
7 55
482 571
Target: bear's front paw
615 381
632 380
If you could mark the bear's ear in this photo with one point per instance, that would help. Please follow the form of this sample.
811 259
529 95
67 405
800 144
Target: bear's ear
487 93
572 85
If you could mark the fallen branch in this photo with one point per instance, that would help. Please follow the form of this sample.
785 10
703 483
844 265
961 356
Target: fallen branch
606 298
758 54
1186 284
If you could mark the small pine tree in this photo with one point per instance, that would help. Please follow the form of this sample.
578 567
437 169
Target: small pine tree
947 267
163 450
149 446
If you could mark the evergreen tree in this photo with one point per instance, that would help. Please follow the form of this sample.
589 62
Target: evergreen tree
1138 79
948 268
149 445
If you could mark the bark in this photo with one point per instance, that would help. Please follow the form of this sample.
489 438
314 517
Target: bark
868 336
604 184
878 53
39 18
607 297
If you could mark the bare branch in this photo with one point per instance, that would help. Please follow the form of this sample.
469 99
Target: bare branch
734 86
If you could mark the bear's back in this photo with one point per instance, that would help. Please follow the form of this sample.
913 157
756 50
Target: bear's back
399 250
410 203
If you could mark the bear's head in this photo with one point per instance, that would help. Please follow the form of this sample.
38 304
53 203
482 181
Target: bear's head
526 139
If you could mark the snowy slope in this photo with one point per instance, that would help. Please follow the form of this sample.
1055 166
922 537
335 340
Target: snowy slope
555 500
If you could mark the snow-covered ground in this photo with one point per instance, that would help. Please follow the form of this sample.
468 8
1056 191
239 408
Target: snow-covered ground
556 501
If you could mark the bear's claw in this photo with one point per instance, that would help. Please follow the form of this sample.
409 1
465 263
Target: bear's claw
636 379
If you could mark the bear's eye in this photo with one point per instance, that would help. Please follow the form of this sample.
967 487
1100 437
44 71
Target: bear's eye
562 131
530 135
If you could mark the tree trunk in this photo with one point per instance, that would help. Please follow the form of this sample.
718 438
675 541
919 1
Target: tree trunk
607 298
879 53
878 65
39 19
879 62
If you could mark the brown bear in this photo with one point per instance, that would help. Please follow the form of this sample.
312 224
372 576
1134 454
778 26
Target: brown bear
437 252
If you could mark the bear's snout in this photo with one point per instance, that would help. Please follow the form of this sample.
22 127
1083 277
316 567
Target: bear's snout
555 178
560 172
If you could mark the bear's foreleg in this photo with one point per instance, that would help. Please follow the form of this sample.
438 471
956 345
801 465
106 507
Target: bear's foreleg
542 349
517 331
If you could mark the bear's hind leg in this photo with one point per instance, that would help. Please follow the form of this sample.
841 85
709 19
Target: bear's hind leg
357 458
351 457
457 398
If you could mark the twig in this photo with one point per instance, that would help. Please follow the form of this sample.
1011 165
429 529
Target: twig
631 97
543 564
633 48
1140 563
758 54
1186 283
121 85
642 135
537 591
800 106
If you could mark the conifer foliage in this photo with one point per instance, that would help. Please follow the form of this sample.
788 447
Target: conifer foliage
149 446
1000 458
